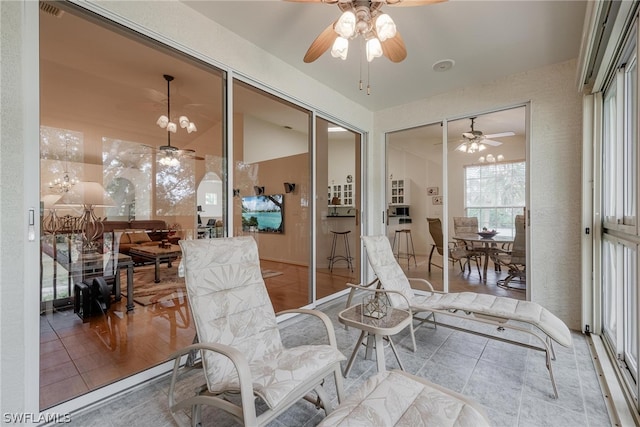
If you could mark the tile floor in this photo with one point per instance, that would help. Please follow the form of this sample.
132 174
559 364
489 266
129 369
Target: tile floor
511 382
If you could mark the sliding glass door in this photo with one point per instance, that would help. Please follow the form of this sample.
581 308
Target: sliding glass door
104 91
272 190
338 209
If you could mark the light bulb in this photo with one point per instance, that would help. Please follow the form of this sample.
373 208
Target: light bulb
171 127
184 121
162 121
191 127
340 48
346 25
463 148
481 159
500 157
481 147
385 27
374 49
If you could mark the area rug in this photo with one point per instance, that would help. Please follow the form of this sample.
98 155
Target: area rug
147 292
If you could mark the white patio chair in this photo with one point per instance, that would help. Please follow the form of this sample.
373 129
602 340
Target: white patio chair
239 341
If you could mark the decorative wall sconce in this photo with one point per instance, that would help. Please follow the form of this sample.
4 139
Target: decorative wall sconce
258 190
236 192
289 187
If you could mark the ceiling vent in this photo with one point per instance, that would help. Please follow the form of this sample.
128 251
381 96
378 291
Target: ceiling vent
50 9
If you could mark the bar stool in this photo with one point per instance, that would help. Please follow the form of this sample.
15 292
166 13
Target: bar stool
333 258
410 251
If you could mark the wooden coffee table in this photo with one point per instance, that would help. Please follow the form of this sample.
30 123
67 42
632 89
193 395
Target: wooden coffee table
158 255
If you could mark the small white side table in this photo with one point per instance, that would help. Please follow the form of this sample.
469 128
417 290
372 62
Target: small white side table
375 330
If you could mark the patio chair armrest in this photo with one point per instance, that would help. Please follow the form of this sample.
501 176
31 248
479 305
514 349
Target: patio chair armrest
331 334
423 281
385 291
237 358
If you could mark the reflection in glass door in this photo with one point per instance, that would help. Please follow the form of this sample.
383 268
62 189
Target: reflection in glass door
338 226
486 191
415 202
271 187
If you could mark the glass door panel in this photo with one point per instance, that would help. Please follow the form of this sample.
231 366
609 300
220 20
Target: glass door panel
99 127
486 176
338 209
270 150
415 202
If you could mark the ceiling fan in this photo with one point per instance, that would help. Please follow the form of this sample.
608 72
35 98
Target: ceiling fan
475 140
364 18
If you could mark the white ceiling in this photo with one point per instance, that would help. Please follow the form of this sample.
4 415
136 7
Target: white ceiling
486 39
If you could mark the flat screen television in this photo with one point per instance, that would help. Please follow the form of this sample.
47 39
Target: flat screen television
264 214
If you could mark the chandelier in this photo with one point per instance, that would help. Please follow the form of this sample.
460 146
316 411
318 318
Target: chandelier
66 182
166 122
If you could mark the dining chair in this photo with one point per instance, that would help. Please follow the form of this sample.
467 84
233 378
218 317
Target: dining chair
455 252
468 225
514 258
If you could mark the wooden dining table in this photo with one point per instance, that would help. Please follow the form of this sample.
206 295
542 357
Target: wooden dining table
487 244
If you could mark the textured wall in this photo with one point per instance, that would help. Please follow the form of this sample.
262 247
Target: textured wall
554 167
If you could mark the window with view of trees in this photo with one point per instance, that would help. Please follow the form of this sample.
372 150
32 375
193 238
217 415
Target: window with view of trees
495 194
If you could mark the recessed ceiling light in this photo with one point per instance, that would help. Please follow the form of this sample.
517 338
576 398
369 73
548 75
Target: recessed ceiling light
336 129
444 65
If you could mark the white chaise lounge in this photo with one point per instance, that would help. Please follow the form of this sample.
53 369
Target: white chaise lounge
488 309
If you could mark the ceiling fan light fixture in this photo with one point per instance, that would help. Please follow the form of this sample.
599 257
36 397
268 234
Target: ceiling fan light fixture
481 147
184 121
385 27
171 127
346 25
462 147
374 49
191 127
169 160
340 48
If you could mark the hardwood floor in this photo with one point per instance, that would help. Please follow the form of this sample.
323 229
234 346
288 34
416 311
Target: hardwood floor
77 357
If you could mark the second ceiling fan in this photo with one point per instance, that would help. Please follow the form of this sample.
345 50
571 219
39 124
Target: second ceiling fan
475 140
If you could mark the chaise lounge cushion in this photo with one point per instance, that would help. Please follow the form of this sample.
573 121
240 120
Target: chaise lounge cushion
399 399
501 307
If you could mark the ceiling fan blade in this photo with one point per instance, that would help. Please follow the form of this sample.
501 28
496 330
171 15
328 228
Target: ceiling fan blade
394 48
409 3
320 45
500 135
187 152
491 142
